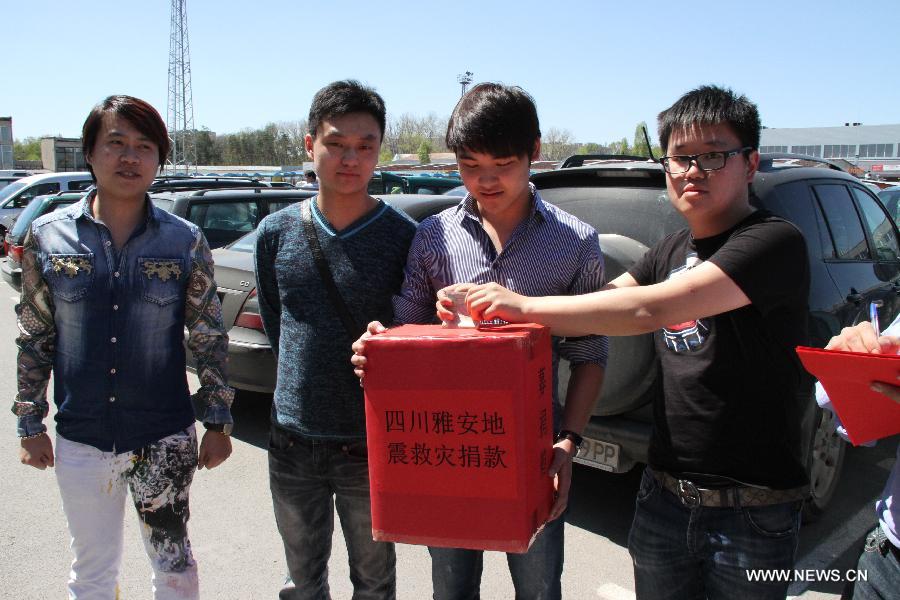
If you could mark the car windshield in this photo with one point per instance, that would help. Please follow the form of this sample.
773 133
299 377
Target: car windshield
891 200
11 189
459 190
246 243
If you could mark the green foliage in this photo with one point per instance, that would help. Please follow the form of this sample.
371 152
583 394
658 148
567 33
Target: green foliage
27 149
424 152
620 147
593 148
208 153
385 156
640 147
278 144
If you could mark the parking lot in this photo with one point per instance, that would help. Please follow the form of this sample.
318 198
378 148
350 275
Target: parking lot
240 554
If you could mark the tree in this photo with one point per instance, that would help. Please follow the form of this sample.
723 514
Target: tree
620 147
208 153
27 149
593 148
424 152
640 147
557 144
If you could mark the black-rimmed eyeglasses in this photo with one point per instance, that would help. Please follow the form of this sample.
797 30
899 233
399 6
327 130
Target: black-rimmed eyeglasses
708 161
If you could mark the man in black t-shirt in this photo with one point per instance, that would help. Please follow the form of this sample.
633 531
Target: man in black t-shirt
719 504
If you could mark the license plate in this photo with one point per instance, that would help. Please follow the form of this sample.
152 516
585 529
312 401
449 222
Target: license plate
603 455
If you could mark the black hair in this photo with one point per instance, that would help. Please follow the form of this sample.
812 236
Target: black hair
342 98
139 113
494 119
711 105
310 173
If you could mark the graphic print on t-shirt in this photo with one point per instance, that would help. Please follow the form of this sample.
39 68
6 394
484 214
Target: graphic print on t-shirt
689 335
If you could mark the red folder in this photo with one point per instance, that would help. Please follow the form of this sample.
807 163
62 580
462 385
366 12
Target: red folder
846 377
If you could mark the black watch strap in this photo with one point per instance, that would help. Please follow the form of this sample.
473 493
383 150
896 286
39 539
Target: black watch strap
219 427
566 434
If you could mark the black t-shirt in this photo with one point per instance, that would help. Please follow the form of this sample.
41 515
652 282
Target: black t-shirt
733 388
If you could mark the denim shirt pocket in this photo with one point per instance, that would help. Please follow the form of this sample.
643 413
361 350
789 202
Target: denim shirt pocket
69 276
161 279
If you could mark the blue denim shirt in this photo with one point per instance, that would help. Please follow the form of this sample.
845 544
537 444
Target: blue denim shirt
110 325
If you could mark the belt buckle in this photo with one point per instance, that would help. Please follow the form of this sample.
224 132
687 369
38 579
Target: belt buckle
688 493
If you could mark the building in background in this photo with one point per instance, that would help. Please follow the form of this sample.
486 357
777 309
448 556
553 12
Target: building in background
875 149
62 154
6 144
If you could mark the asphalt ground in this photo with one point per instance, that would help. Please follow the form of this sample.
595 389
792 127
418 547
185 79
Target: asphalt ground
239 550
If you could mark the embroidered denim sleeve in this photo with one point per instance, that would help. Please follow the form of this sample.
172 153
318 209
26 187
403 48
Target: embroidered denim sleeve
207 338
36 341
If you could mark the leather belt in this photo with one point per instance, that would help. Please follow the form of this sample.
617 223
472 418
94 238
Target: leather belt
692 496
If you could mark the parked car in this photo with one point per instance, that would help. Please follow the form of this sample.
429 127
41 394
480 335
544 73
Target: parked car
853 245
11 268
251 364
203 182
854 251
7 176
385 182
459 190
16 196
890 197
226 215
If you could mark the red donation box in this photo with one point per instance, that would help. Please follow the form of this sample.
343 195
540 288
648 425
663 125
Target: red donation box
459 425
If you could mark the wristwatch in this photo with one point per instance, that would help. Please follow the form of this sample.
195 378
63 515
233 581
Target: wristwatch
223 428
566 434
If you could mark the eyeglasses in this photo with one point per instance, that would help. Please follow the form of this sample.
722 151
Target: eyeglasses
708 161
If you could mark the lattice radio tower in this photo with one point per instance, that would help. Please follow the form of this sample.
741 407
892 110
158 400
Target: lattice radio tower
464 80
180 113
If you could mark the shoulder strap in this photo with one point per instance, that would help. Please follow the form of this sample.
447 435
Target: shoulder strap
334 295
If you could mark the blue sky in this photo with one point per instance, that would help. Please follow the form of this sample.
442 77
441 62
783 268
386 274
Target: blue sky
594 68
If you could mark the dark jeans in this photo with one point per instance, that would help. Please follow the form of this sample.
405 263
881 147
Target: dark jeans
308 480
680 552
880 568
456 573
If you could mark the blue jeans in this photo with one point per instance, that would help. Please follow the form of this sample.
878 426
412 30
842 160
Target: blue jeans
881 568
456 573
308 479
703 552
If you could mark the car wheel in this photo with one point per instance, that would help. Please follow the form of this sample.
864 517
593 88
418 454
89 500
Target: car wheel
828 449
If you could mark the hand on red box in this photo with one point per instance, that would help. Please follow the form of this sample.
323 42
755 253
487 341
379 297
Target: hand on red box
445 301
561 471
359 349
491 301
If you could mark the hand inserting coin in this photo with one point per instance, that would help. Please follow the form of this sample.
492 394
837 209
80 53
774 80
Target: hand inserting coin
461 311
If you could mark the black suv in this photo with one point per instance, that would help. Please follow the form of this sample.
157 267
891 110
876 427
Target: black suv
854 251
203 182
226 215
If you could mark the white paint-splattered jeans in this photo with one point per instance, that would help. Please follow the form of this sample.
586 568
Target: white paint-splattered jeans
93 485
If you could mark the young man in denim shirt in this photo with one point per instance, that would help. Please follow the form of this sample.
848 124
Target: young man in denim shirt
318 458
504 231
108 286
